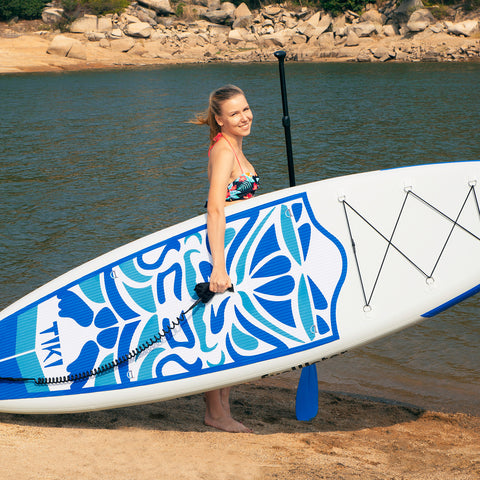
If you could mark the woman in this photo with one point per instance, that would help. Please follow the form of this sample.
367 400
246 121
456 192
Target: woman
232 178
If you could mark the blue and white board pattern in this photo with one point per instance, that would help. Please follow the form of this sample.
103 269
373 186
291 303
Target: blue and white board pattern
318 269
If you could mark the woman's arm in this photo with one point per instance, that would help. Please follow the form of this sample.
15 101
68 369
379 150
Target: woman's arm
220 168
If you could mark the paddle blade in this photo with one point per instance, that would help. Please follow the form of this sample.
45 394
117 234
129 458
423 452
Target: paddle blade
306 402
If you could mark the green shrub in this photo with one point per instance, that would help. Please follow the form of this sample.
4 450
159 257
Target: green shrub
25 9
337 7
73 8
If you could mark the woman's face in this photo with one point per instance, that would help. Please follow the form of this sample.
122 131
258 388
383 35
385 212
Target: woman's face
236 118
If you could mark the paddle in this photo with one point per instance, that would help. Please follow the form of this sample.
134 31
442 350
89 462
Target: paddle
306 402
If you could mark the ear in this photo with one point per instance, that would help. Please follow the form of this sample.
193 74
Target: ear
219 122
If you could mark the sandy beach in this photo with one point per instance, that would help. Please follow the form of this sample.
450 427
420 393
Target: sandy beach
351 438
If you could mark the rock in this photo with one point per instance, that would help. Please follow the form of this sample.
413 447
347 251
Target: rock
242 11
298 39
326 41
144 15
407 6
95 36
228 7
60 45
160 6
467 28
380 52
364 56
352 39
306 29
104 24
123 44
389 31
290 21
77 51
243 16
420 20
125 18
270 40
87 23
437 28
272 10
363 29
324 24
115 33
67 47
283 37
243 22
218 30
373 16
338 25
401 56
220 17
235 36
104 43
138 30
314 19
52 16
213 4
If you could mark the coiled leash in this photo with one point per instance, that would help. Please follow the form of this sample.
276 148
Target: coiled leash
204 295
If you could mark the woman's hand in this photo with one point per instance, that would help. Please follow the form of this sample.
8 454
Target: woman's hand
219 280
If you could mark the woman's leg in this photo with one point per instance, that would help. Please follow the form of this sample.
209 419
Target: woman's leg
217 412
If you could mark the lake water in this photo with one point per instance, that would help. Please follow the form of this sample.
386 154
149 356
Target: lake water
90 161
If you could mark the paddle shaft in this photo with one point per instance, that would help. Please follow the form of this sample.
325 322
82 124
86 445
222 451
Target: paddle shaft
286 118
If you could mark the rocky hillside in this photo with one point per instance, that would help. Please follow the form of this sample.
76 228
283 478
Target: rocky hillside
207 30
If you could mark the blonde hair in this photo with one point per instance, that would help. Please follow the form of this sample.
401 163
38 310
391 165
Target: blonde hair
216 99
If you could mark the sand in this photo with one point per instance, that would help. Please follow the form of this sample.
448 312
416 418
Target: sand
351 438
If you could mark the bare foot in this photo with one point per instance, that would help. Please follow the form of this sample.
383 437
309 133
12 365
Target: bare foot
227 424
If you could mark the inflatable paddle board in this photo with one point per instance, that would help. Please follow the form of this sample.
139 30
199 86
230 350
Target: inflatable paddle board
318 269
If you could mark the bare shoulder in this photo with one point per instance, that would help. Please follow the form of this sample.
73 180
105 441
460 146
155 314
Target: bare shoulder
221 158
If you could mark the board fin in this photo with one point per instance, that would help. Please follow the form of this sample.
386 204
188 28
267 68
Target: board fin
306 402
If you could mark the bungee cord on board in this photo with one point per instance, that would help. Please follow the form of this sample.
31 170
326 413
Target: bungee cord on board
409 193
204 295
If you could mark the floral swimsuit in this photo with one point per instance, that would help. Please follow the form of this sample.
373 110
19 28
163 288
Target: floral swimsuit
242 187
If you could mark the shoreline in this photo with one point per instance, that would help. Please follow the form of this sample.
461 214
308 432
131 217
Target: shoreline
351 438
24 45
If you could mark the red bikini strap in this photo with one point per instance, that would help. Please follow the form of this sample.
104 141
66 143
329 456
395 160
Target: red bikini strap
233 150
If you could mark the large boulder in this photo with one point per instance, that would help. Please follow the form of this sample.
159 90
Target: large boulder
160 6
221 17
87 23
352 39
52 16
467 28
363 29
420 19
122 44
104 24
243 16
77 51
60 45
236 36
324 23
67 47
138 30
326 41
373 16
307 29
